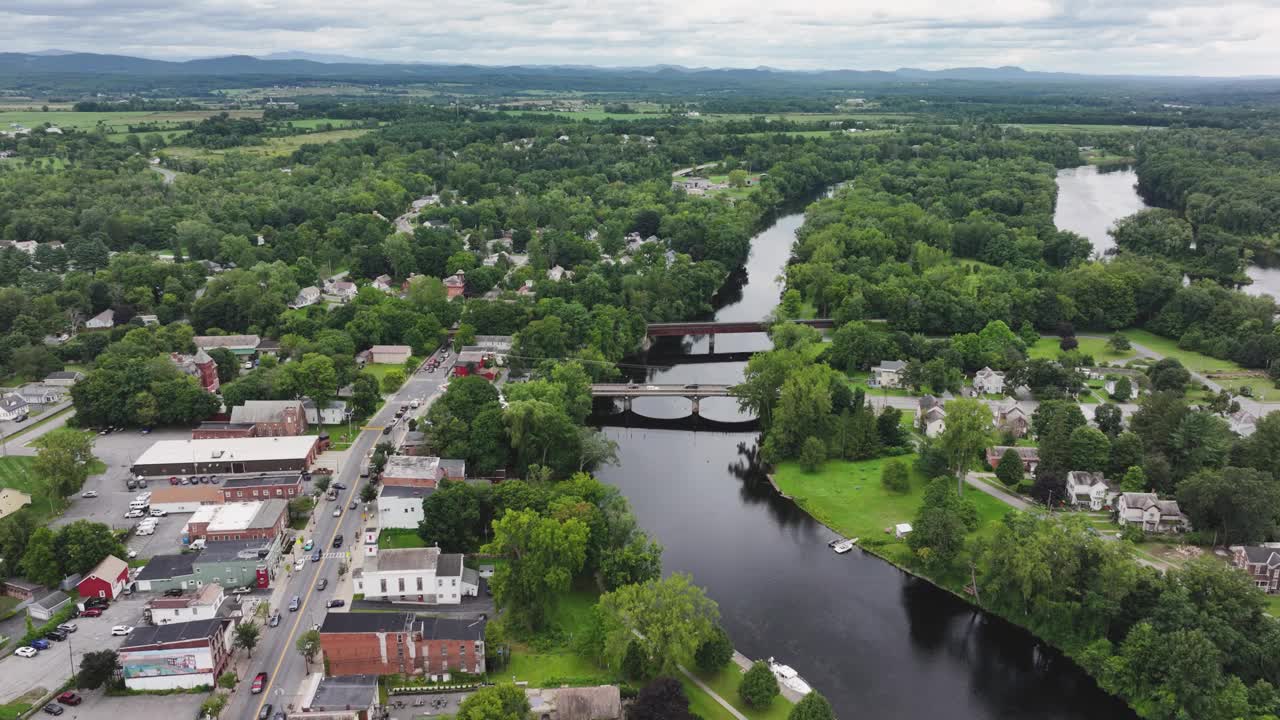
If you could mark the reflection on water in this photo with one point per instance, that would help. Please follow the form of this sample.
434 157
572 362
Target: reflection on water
877 642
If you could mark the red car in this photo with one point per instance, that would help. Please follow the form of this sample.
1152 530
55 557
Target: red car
259 683
92 612
173 481
70 698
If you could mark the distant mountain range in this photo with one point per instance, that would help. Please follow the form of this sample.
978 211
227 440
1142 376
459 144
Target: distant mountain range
85 71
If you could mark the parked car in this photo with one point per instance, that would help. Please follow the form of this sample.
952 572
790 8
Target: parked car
157 512
173 592
301 563
337 512
324 583
92 613
386 430
96 602
134 514
338 486
335 603
26 652
173 481
70 698
259 683
121 630
68 627
213 480
89 494
352 506
274 620
53 709
40 644
55 635
308 545
295 603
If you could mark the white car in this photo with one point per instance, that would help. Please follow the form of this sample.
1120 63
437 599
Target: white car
68 627
337 512
134 514
26 652
300 564
157 512
89 494
121 630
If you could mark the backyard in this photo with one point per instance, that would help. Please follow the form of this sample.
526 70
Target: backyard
1047 348
397 538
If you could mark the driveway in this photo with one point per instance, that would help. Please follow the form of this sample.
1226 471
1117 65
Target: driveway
49 668
975 481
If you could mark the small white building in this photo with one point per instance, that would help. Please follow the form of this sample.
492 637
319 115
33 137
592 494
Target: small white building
988 382
888 374
414 575
12 407
1149 512
901 530
400 506
307 296
344 289
1090 490
202 605
102 321
390 354
933 421
334 413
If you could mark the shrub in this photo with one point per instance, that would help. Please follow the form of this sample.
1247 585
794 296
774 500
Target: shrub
895 477
1009 471
812 454
759 687
228 679
715 652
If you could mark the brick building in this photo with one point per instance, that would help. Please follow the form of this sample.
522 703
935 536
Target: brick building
227 456
401 643
422 471
262 487
199 366
237 521
222 430
272 418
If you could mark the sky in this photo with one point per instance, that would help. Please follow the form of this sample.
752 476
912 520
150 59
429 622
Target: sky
1166 37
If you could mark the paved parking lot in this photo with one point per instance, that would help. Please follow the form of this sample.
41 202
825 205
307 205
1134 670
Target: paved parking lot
118 451
52 666
449 705
97 705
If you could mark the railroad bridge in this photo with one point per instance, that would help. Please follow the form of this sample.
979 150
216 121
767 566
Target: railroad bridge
628 391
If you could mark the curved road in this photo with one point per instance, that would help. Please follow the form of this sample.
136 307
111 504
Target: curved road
169 175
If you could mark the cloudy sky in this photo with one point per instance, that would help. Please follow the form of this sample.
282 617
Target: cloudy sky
1204 37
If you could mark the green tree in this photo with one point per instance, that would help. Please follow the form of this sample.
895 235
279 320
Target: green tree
1242 503
41 562
368 493
1123 390
813 453
365 395
228 366
1010 471
451 517
968 431
635 664
82 544
895 477
247 635
1090 449
63 457
1134 480
228 680
1118 343
1108 418
813 706
543 555
307 645
503 701
714 652
1169 374
758 687
392 380
940 525
465 335
661 699
668 617
213 705
96 668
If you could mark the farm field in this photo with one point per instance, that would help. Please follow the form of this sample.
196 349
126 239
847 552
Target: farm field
272 147
112 121
1063 127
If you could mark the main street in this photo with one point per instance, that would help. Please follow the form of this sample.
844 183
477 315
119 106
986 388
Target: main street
276 653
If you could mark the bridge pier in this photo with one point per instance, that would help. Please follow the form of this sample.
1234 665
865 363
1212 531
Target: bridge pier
697 404
711 342
626 403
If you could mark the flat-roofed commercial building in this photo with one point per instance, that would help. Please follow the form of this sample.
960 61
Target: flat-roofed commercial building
227 455
237 521
262 487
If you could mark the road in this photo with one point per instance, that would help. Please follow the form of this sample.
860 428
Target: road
276 653
169 175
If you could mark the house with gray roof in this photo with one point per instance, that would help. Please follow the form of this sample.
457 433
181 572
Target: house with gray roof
888 374
1262 562
413 575
13 406
1149 512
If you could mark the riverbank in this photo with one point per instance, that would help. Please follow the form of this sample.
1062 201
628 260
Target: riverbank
857 510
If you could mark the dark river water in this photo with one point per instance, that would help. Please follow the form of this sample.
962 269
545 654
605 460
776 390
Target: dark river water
877 642
1090 200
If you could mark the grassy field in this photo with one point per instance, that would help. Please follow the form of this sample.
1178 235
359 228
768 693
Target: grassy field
313 123
379 370
1047 348
1262 388
395 539
725 684
16 473
848 498
272 147
1169 348
112 121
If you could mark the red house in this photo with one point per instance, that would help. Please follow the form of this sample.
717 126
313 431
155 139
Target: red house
106 580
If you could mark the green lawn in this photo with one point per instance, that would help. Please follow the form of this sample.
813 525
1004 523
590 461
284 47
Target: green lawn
725 684
16 473
379 370
1263 388
272 147
1169 348
858 379
1066 127
549 660
1047 348
394 539
848 497
1273 605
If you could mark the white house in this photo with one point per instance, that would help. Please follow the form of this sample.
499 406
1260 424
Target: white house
13 406
335 413
309 295
383 283
343 289
1150 513
1086 489
888 374
400 506
988 382
41 394
203 605
414 575
63 378
933 421
557 273
102 321
390 354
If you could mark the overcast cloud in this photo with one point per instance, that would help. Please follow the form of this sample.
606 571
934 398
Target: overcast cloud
1199 37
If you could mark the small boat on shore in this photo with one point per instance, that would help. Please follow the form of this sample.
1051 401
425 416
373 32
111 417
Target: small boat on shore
845 546
788 677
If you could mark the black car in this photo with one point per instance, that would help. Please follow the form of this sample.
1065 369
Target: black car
96 602
337 541
386 430
57 635
173 592
53 709
338 486
265 712
335 603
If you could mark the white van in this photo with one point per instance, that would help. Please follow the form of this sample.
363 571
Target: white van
145 530
143 496
139 505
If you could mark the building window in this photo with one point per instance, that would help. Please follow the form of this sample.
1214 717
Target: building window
454 582
401 583
383 585
239 493
279 492
419 583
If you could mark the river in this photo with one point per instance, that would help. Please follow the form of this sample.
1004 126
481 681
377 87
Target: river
1091 199
876 641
